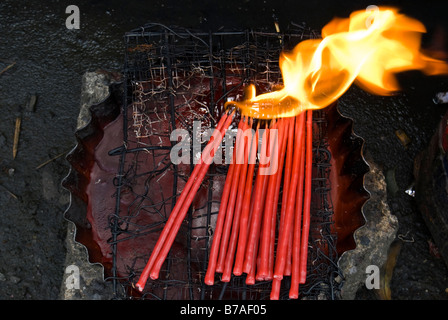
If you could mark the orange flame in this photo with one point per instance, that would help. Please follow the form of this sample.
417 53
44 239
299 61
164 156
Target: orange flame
369 48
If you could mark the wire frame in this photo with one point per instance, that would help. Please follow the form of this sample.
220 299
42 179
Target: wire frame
180 79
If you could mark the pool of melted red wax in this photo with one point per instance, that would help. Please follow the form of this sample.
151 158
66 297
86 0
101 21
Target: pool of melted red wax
348 168
96 188
135 243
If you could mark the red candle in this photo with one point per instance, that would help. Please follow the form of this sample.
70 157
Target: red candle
307 196
294 289
265 244
238 159
257 207
163 245
245 143
288 123
246 208
284 236
288 170
275 289
197 172
288 261
214 251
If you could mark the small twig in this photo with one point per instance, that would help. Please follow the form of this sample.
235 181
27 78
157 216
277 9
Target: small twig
9 192
32 103
16 137
7 68
50 160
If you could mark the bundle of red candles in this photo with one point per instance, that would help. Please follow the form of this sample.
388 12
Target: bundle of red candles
256 232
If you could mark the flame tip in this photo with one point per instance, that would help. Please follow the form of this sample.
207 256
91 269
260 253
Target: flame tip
368 49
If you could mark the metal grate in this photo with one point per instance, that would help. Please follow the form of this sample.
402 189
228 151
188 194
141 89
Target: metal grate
176 78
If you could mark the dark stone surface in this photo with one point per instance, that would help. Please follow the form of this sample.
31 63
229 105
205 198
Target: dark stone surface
50 61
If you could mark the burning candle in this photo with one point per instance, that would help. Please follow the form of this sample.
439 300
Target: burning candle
307 196
238 159
246 208
284 236
288 123
214 252
170 230
257 207
315 74
266 239
296 235
245 147
207 156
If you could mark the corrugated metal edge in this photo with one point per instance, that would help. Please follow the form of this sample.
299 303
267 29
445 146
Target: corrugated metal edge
91 105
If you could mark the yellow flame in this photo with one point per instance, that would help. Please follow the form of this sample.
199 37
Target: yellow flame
368 48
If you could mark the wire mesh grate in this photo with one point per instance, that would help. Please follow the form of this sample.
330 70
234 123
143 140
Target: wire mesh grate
180 79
